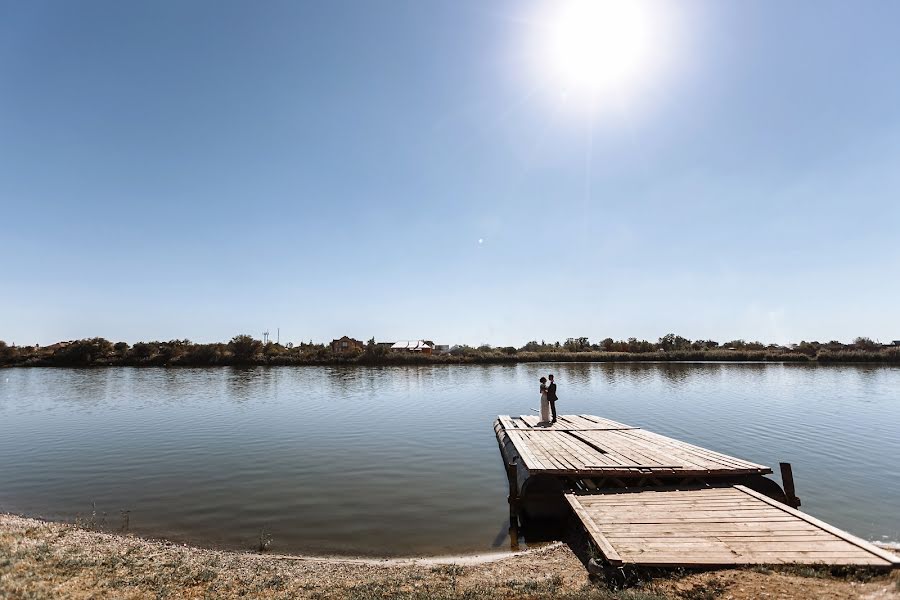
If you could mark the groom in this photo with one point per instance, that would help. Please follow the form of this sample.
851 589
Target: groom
551 397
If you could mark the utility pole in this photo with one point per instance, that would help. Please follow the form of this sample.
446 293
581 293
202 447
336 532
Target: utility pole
266 336
279 336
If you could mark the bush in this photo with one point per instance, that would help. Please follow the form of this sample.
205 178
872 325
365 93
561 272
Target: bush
244 348
7 353
142 351
83 352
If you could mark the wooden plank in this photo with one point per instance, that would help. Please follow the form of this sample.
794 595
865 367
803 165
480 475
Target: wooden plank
802 546
677 447
554 454
602 543
606 422
617 441
530 420
538 452
576 421
682 503
634 446
521 446
750 528
560 455
635 466
581 452
682 560
726 558
675 520
652 495
703 460
695 513
611 459
671 492
507 423
554 427
712 455
618 539
884 554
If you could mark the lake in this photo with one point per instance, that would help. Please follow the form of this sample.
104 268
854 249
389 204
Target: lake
401 461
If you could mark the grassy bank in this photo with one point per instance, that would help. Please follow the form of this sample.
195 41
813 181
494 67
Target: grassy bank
244 350
54 560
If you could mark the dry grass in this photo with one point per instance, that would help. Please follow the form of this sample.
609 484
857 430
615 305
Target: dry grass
53 560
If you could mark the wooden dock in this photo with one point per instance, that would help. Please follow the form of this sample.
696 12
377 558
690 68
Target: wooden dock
647 499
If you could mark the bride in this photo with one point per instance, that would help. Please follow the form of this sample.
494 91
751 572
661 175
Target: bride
545 404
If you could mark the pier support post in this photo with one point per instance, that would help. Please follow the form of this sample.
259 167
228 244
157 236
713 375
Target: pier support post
513 500
513 490
787 478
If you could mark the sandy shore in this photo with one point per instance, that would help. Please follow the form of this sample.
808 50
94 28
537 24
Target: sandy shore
56 560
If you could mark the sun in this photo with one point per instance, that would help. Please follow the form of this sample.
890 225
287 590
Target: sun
594 47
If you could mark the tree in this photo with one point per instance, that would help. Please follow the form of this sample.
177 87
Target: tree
577 344
704 344
808 348
204 354
864 343
83 352
670 342
7 353
244 347
461 350
142 350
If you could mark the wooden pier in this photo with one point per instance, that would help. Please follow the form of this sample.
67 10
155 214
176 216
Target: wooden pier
647 499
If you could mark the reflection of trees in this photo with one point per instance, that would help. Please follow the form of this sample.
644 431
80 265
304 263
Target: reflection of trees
245 383
574 373
88 387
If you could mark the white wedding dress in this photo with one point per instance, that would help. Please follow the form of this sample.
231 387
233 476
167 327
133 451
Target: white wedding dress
545 405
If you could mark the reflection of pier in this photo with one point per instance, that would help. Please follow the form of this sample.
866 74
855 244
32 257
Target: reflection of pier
647 499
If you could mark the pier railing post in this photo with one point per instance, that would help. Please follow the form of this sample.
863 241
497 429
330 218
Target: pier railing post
787 478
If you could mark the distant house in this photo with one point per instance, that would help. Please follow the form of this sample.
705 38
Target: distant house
346 344
423 346
895 343
441 348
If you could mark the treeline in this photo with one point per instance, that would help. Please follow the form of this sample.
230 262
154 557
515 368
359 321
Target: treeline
246 350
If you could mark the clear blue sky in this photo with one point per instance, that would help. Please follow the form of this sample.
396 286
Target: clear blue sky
201 169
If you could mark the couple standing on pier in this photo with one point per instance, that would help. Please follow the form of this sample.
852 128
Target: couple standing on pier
548 400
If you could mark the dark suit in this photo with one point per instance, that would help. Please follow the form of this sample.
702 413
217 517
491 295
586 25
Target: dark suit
551 397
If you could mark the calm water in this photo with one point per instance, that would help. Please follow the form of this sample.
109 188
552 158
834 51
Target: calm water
403 460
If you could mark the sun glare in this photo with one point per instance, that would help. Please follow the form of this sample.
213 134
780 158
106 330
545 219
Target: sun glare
597 47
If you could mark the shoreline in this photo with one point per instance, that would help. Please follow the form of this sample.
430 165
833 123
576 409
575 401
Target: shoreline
49 559
244 351
418 362
466 558
474 557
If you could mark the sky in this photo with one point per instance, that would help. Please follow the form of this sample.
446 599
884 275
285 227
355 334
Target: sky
408 169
